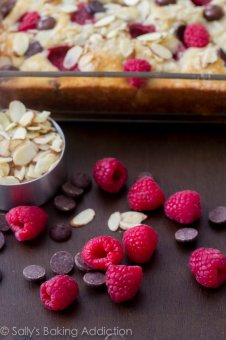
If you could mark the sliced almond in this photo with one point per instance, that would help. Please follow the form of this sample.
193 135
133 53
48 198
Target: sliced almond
32 135
53 165
44 147
4 135
5 160
42 117
133 217
4 120
31 172
44 139
7 180
4 148
131 2
4 169
57 144
20 133
27 118
68 8
34 128
24 153
126 47
14 144
10 126
16 110
105 21
72 57
43 164
21 43
161 51
114 221
150 36
20 173
125 226
83 218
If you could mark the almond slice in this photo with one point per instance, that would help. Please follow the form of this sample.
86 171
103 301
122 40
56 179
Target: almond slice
44 139
53 165
105 21
83 218
57 144
31 172
20 173
161 51
5 160
7 180
4 169
131 2
150 36
16 110
14 143
24 153
72 57
21 43
125 226
34 128
114 221
10 126
20 133
27 118
4 148
41 117
43 164
4 120
133 217
4 135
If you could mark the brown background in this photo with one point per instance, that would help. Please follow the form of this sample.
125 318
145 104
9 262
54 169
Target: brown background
170 305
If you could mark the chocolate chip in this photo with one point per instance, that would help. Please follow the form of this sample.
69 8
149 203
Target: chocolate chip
9 68
46 23
95 279
71 190
80 264
33 49
185 235
2 240
6 7
34 273
64 203
3 223
82 180
218 215
222 55
213 12
60 232
165 2
180 32
95 7
62 262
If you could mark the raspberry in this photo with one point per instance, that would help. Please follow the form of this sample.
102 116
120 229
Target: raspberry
82 16
145 194
137 65
100 252
184 207
201 2
136 29
59 292
56 56
196 35
140 243
27 222
29 21
209 267
110 174
123 282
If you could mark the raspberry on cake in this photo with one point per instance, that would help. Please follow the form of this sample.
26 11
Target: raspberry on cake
137 65
196 35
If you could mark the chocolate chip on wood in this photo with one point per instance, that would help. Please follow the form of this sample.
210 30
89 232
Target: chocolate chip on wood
94 279
62 262
64 203
185 235
61 232
218 215
3 223
82 180
71 190
80 264
34 273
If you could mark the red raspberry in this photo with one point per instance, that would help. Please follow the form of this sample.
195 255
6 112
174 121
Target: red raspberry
82 16
123 282
145 194
196 35
101 251
59 292
27 222
140 243
137 65
136 29
184 207
209 267
56 56
110 174
29 21
201 2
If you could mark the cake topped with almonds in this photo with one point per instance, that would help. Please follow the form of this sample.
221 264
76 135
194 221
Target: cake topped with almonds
186 36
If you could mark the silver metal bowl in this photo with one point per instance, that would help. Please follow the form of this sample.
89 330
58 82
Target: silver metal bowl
37 191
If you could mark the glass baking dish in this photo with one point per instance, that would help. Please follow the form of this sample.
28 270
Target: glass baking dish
108 95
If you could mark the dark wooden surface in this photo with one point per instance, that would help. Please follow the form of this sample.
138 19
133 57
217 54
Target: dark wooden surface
170 305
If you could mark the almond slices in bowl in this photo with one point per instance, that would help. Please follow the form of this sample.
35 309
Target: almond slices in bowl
30 146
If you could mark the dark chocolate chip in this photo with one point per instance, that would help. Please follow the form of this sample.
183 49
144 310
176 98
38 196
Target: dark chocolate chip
95 7
165 2
34 273
185 235
9 68
180 32
71 190
80 264
222 55
64 203
2 240
82 180
46 23
60 232
213 12
33 49
218 215
3 223
62 262
6 7
95 279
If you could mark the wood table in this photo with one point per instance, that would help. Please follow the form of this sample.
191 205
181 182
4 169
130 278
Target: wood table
170 305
